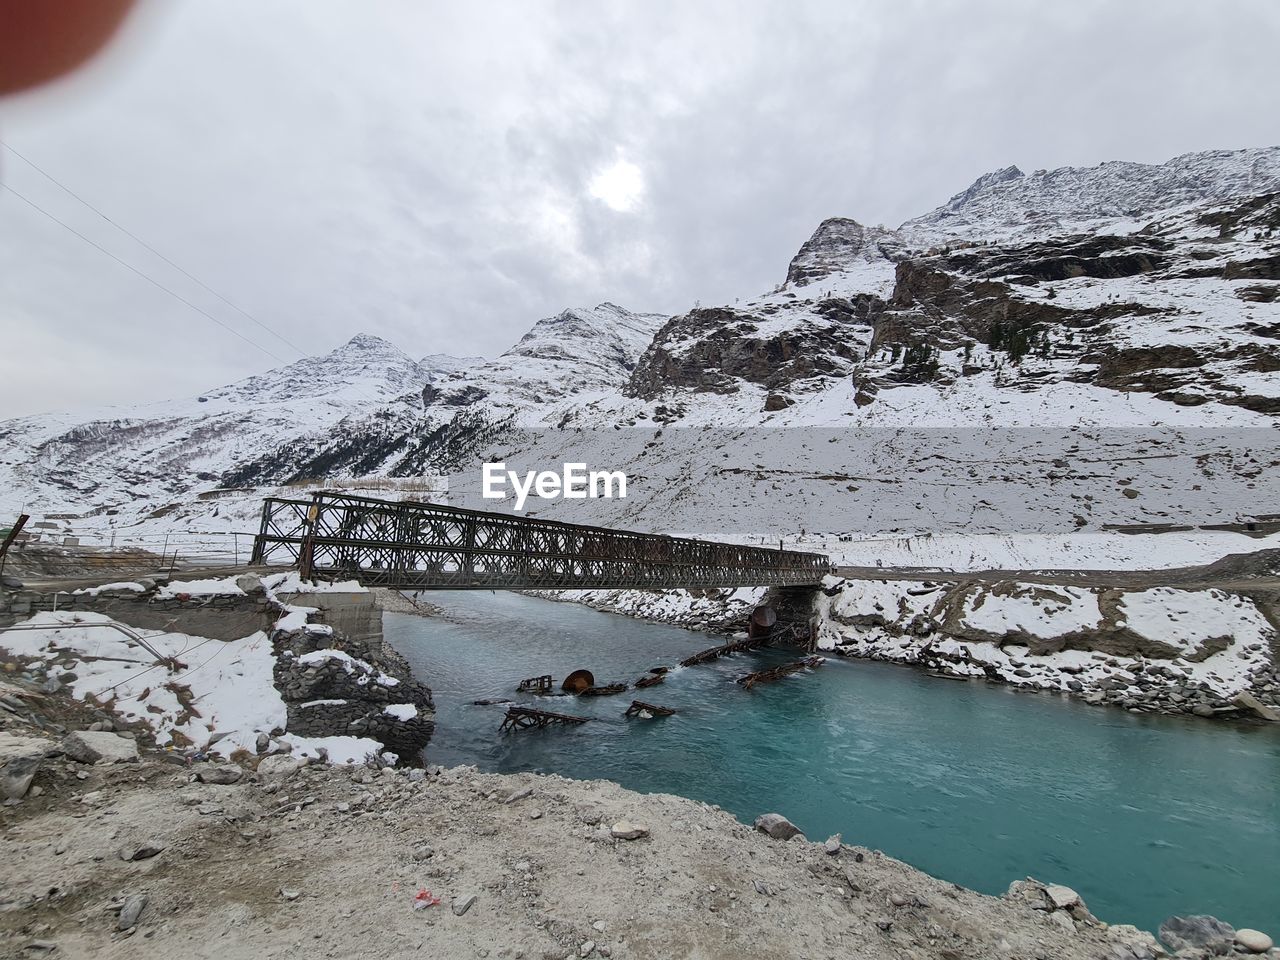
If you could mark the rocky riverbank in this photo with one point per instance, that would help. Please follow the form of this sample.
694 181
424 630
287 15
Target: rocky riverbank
1204 652
121 853
1193 650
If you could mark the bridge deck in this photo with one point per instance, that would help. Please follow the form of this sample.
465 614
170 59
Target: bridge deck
426 546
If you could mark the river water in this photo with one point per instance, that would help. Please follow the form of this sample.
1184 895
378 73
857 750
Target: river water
976 783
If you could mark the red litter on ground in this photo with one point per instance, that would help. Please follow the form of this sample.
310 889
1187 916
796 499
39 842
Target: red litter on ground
424 898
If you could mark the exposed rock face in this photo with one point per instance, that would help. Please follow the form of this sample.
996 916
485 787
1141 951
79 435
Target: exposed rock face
716 350
836 244
1198 933
1114 309
777 826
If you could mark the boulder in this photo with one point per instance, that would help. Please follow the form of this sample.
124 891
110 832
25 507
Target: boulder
91 746
17 776
131 852
625 830
1255 941
1029 892
777 826
20 758
131 911
1198 933
777 401
1062 898
1247 701
280 765
223 773
250 583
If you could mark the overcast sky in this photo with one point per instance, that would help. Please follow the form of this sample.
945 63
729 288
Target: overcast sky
443 175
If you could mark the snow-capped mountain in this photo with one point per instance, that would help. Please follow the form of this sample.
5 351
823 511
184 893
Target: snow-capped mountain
151 456
1007 203
365 367
1123 295
114 457
1179 305
578 351
438 363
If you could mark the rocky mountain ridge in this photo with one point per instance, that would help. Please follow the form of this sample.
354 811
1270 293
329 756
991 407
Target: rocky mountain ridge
1176 305
1008 203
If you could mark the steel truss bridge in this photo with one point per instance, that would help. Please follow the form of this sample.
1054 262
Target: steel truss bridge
426 546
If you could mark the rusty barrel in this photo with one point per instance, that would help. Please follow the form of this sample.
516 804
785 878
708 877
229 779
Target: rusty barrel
763 620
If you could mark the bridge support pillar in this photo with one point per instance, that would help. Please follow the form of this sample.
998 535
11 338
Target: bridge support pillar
796 615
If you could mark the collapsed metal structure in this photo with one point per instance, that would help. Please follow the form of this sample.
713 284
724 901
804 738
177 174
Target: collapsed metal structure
409 545
527 718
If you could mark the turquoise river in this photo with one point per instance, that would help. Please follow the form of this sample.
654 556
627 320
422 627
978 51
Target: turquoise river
1145 816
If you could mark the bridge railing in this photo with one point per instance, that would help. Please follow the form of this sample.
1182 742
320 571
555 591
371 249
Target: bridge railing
410 545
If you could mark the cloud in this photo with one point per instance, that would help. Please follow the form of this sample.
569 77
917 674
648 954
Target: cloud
444 175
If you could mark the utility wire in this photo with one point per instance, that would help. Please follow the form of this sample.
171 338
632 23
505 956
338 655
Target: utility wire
150 280
138 240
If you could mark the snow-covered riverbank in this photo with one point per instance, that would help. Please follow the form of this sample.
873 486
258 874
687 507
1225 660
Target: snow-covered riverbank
1206 652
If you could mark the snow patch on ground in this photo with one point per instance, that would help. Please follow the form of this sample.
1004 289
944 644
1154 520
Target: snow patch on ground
338 749
290 582
362 670
1187 619
94 591
221 688
683 607
1045 612
225 587
1043 551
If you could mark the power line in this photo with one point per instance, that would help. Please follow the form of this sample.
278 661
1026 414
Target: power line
137 239
151 280
154 282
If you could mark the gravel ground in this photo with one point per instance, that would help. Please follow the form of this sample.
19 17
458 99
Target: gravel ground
327 861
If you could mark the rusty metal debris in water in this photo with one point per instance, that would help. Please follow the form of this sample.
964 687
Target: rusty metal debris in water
536 684
778 672
639 708
527 718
